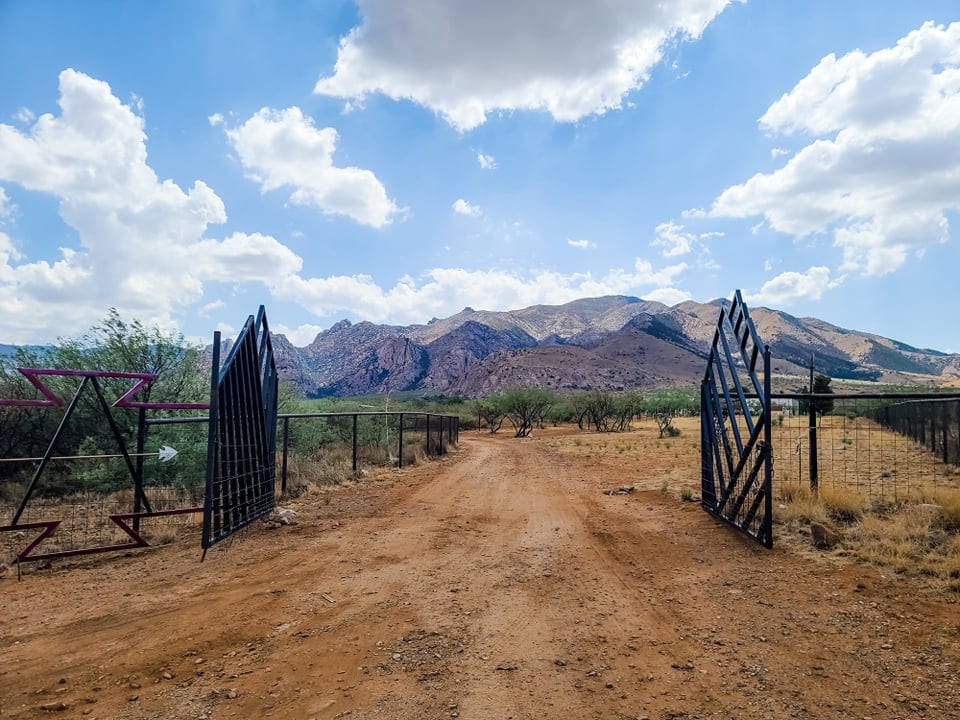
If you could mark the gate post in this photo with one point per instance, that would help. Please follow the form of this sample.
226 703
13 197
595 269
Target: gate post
707 487
286 445
768 447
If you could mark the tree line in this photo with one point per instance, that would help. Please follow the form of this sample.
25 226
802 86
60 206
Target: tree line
528 407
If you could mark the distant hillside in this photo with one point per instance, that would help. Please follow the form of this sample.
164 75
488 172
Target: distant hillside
612 342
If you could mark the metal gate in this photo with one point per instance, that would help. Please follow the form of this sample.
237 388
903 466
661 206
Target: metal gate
736 456
241 454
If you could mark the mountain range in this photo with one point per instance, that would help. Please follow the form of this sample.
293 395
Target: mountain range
609 343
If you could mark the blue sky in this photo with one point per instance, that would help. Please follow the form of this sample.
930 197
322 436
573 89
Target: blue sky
390 161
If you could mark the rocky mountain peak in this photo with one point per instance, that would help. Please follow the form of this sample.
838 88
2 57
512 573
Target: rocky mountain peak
611 342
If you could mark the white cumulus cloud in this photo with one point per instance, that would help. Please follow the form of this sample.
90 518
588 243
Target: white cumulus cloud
464 59
142 241
788 287
882 170
673 240
283 148
462 207
447 290
581 244
301 335
487 162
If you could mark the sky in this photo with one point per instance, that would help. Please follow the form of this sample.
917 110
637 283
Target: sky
187 161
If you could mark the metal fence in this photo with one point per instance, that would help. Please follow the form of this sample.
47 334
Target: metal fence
933 423
391 431
890 447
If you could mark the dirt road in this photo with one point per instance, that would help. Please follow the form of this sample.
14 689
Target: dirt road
499 582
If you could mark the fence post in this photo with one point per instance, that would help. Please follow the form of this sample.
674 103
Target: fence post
400 444
812 445
354 443
138 475
956 457
286 444
944 435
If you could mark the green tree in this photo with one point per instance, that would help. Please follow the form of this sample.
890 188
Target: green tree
600 408
24 431
113 344
821 386
560 412
579 407
490 412
524 407
625 406
673 402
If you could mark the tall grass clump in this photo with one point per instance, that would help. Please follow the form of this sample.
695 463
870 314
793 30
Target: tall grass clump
917 538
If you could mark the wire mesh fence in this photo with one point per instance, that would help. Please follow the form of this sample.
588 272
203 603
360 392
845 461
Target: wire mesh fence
85 519
932 423
887 448
326 448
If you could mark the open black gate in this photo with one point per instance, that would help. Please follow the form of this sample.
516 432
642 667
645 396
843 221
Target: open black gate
241 454
735 451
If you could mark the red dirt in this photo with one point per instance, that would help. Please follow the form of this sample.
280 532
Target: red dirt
499 582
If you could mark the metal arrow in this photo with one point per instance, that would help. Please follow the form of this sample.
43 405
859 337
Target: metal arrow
165 454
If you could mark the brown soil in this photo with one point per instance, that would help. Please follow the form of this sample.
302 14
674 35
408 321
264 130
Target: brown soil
498 582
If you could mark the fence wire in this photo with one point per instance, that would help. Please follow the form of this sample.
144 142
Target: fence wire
85 519
890 450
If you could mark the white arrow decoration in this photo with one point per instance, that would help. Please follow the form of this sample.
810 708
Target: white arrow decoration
165 454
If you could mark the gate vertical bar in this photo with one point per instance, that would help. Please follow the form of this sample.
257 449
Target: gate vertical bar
768 455
400 443
286 446
212 432
813 463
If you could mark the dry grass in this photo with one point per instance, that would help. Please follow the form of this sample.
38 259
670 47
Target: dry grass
84 520
799 507
333 465
906 523
915 537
